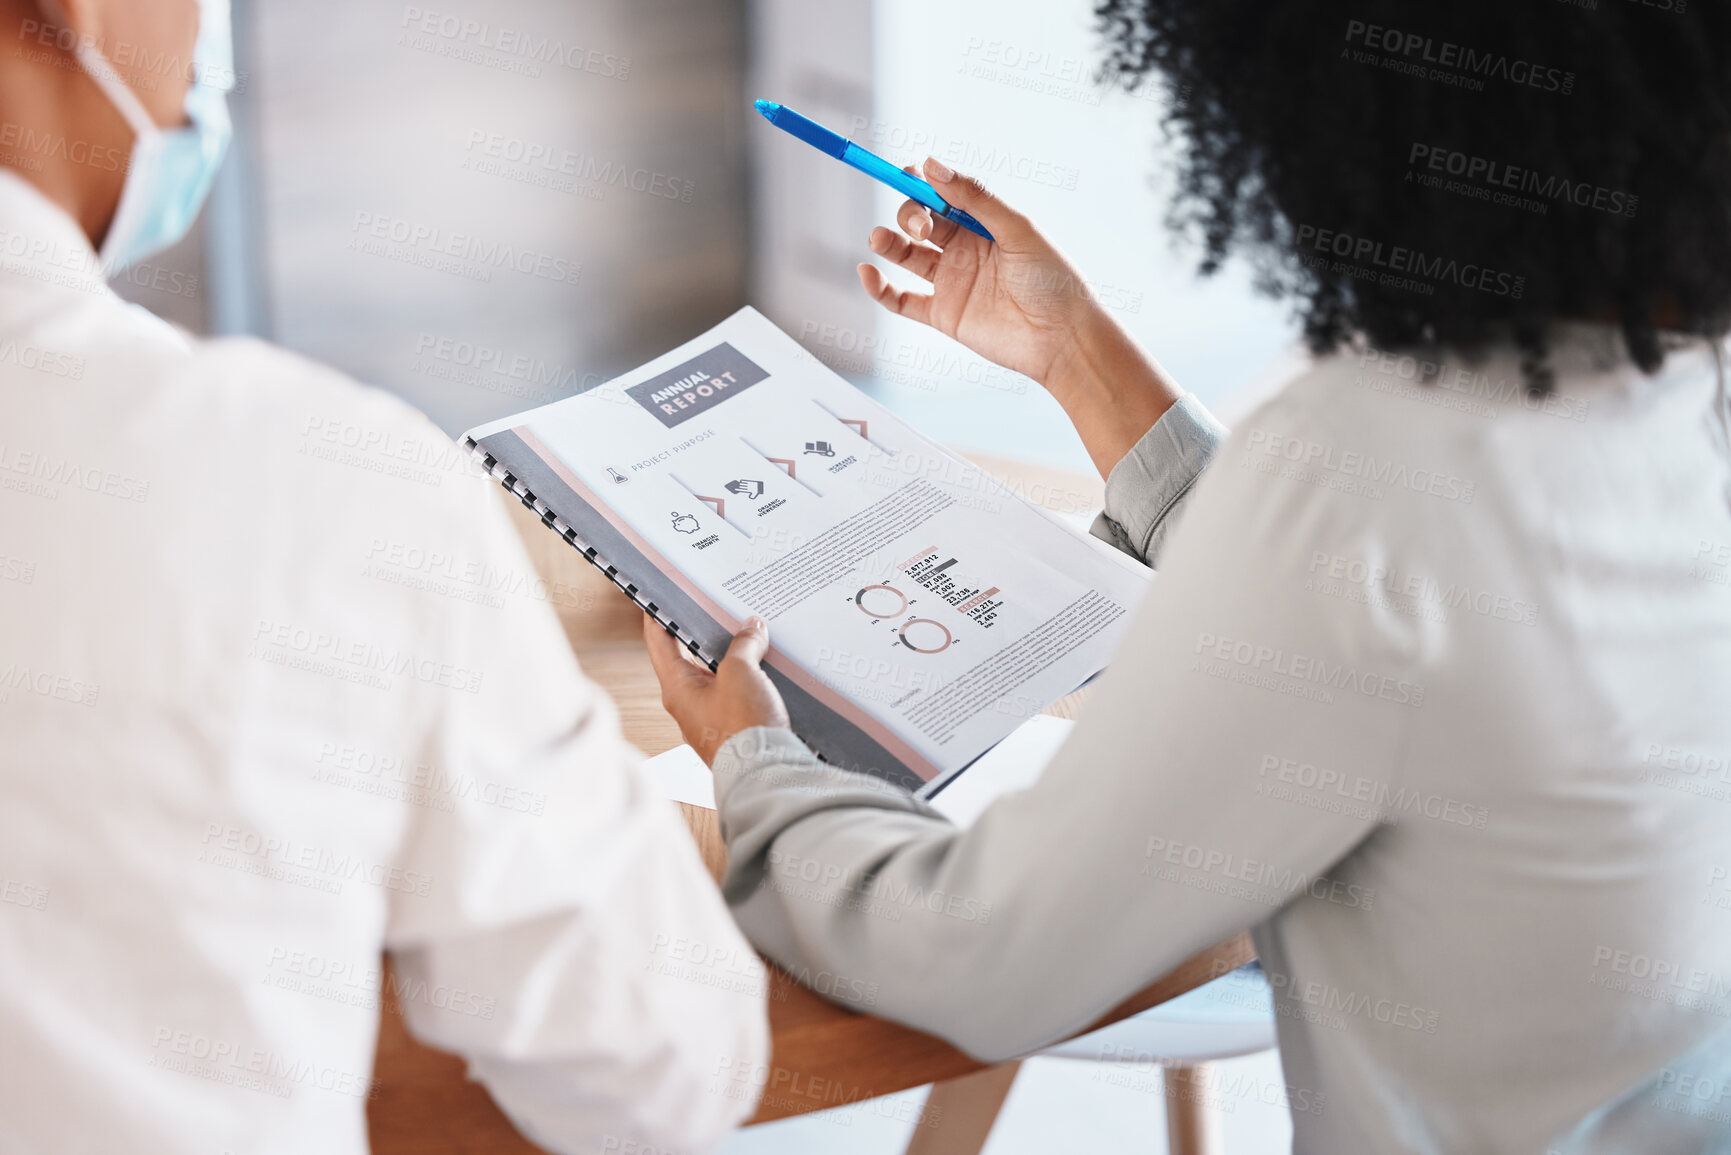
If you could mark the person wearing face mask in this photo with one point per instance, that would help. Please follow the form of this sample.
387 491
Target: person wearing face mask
255 730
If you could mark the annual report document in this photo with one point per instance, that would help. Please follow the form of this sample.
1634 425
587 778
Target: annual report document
918 609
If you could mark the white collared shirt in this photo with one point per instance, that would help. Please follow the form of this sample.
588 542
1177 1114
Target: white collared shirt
278 689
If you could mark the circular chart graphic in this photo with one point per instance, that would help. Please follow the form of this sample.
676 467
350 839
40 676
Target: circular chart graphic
880 601
924 636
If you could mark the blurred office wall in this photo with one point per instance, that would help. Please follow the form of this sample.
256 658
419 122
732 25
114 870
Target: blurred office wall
484 204
489 204
811 215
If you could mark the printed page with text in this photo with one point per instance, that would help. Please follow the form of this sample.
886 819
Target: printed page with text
919 610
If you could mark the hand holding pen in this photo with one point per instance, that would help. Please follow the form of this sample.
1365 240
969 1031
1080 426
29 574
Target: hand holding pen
1003 290
1016 301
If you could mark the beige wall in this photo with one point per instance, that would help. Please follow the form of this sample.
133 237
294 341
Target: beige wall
367 115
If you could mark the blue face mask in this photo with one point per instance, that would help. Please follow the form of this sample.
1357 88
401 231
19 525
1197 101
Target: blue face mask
171 169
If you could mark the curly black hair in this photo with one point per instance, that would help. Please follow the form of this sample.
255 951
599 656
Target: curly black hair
1452 174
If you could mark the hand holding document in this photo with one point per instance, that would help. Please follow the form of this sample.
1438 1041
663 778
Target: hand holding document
918 609
713 706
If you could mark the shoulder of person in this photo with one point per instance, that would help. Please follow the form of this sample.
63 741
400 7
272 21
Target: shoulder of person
1356 396
324 439
1335 461
1371 429
273 382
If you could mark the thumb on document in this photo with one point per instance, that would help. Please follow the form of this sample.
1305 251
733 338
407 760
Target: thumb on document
751 643
711 708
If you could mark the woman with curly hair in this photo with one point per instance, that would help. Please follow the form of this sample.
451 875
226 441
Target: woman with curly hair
1433 694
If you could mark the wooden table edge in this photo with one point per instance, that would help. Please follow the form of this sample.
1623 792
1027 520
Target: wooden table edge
825 1055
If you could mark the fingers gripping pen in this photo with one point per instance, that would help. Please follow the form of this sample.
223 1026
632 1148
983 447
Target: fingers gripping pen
867 162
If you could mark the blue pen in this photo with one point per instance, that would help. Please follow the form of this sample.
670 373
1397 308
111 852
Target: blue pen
869 163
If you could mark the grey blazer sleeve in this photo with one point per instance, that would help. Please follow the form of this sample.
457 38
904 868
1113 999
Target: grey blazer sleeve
1148 489
1151 835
